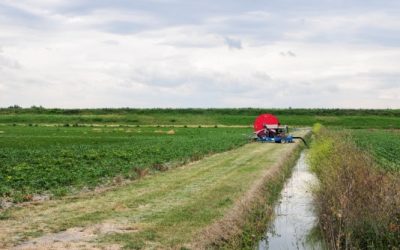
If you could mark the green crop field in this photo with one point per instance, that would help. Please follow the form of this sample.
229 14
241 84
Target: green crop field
383 144
54 152
162 211
37 159
244 117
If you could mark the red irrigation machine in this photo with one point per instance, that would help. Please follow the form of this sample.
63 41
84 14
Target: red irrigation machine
267 128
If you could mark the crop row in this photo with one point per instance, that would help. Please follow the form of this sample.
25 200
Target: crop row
56 159
383 144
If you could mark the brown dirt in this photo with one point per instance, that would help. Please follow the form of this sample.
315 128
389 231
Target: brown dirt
76 238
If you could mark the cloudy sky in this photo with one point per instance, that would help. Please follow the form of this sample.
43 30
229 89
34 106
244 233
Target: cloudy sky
184 53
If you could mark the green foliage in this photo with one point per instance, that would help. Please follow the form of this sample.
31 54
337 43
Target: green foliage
39 159
321 149
5 214
128 240
384 118
356 201
383 144
320 154
316 128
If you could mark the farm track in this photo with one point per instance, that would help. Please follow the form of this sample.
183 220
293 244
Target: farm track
165 210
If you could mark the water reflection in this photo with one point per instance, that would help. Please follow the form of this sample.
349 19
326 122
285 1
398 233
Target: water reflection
294 216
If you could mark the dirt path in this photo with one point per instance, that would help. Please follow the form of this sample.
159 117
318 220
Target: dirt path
161 211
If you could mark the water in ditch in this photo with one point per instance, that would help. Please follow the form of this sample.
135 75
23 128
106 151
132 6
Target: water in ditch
294 213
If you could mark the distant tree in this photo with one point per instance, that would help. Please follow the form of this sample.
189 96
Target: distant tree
37 107
15 106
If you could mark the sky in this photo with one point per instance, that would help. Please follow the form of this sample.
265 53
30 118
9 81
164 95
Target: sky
206 54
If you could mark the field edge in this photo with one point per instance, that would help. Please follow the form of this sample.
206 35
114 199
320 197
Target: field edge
244 225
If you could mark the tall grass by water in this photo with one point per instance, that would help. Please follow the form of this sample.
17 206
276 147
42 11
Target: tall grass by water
357 201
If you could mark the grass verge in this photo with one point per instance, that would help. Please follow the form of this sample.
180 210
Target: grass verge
357 202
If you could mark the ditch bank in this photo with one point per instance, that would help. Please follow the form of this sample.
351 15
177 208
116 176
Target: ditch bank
244 226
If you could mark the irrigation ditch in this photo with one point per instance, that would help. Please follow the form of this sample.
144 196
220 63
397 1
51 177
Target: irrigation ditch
293 223
280 214
294 219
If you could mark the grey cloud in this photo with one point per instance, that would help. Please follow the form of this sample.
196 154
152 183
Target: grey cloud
264 22
233 43
290 53
201 82
6 62
287 53
111 42
190 44
13 15
121 27
262 76
382 80
373 81
156 78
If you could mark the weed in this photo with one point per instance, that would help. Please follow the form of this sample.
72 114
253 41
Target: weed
160 167
140 172
5 214
357 202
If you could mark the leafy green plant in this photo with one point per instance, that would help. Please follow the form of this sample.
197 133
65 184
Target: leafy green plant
383 144
58 159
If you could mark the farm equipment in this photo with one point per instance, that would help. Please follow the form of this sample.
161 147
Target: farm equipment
267 128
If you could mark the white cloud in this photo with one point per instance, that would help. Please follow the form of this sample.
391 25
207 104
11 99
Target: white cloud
110 56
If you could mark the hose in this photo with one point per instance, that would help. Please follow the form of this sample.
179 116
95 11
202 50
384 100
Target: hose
301 138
